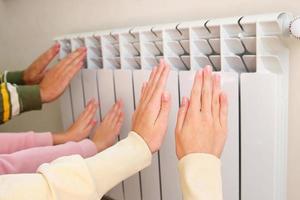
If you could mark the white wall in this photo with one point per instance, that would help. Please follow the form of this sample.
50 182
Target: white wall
28 26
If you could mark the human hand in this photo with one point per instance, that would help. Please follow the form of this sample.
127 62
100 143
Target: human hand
109 129
150 119
81 128
202 123
36 71
58 78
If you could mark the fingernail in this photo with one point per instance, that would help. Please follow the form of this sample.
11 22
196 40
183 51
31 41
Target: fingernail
183 101
166 96
199 72
208 68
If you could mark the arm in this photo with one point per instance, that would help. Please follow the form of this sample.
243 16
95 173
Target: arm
27 161
12 142
79 130
15 99
75 178
200 137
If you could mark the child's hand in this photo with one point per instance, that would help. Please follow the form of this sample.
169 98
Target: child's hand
150 120
82 126
109 129
58 77
202 122
36 71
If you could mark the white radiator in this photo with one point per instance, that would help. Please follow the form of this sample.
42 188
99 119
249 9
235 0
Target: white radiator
250 54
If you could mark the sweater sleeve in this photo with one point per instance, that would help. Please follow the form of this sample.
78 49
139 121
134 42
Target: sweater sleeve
200 177
75 178
16 99
12 142
15 77
27 161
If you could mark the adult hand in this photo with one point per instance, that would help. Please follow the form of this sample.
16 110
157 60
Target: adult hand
202 122
150 119
36 71
58 78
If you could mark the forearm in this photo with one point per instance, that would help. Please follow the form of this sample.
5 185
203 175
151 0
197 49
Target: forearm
119 162
27 161
12 142
75 178
200 177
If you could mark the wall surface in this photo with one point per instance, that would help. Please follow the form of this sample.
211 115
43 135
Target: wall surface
27 27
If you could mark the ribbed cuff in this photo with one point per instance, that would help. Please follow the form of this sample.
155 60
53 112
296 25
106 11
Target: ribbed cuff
29 97
15 77
200 176
43 139
88 148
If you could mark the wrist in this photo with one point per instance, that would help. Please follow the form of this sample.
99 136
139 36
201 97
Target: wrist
59 138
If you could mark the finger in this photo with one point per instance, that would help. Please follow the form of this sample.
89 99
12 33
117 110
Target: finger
48 56
206 90
119 123
181 114
195 103
151 78
92 113
143 91
79 59
223 110
120 118
115 116
88 109
216 97
90 126
110 115
154 82
67 60
161 84
163 116
68 75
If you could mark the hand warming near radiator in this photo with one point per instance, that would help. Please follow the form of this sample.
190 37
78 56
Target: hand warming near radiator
150 120
25 152
58 77
201 132
107 132
27 90
37 70
82 126
200 137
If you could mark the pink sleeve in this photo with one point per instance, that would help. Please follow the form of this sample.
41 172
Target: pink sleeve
12 142
27 161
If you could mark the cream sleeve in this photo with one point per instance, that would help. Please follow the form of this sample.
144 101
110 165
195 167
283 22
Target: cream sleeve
73 177
200 177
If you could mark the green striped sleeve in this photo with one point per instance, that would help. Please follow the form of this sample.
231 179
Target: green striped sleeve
17 99
15 77
30 97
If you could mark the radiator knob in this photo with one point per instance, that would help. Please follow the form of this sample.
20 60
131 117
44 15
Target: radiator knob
295 27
